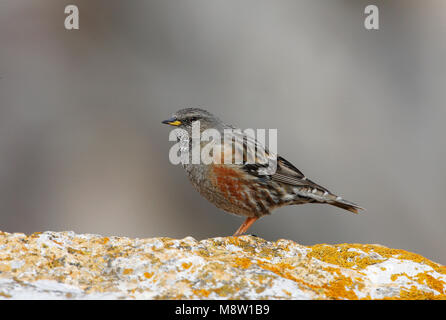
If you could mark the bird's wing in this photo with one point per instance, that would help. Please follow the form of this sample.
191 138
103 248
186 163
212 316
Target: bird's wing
266 164
242 149
289 174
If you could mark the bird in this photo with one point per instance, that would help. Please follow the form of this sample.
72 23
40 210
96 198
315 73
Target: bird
247 189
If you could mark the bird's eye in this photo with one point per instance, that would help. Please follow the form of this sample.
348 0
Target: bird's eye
192 119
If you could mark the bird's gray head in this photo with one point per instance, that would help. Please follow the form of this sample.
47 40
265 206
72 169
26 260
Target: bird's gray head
185 117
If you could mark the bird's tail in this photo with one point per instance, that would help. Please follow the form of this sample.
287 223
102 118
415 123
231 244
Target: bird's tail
318 194
346 205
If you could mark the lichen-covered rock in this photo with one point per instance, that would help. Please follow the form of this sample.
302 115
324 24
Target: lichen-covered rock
61 265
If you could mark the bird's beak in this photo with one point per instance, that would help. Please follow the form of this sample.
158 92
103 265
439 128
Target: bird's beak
172 122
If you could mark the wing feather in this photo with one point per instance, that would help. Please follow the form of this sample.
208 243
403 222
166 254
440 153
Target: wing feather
285 171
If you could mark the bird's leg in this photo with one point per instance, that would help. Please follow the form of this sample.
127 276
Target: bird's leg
245 226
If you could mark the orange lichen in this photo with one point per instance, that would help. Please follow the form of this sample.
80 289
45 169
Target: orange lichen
395 276
340 288
186 265
5 267
201 292
431 282
226 290
127 271
286 292
236 241
397 254
5 295
242 262
34 235
416 294
285 270
342 256
278 268
424 279
148 275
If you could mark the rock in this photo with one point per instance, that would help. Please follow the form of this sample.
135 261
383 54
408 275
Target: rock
64 265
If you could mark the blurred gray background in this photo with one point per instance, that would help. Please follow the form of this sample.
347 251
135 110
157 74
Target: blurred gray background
361 112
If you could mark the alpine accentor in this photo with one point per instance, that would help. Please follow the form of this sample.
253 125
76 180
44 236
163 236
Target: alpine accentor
246 189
